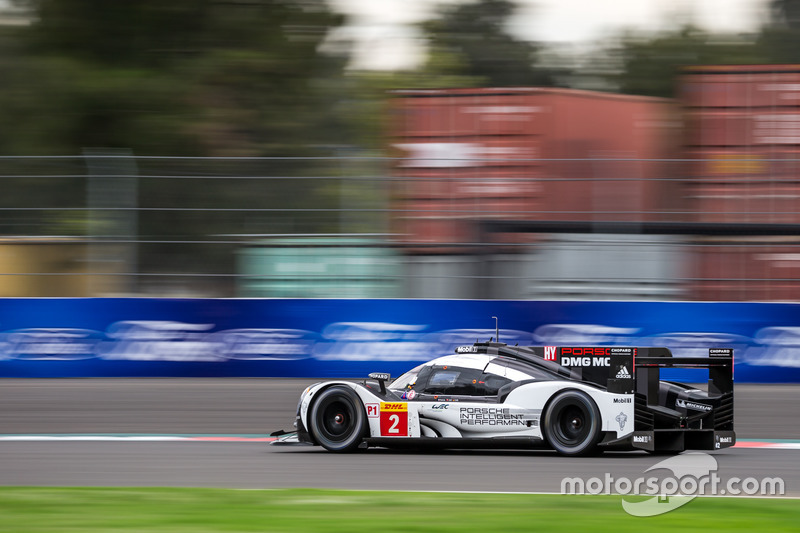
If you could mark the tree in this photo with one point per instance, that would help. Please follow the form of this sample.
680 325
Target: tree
471 40
785 12
178 78
650 65
780 39
185 77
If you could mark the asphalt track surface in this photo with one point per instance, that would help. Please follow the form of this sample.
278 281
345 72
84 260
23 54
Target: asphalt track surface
255 407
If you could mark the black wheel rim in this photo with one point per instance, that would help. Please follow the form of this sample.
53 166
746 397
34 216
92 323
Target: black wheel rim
572 425
336 420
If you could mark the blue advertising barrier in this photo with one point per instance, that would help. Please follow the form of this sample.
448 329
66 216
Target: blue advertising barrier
132 337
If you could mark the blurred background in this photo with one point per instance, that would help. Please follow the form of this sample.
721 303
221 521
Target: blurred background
529 149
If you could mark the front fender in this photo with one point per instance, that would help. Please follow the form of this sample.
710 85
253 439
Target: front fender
375 407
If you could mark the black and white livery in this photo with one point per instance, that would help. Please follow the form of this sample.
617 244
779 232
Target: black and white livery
576 400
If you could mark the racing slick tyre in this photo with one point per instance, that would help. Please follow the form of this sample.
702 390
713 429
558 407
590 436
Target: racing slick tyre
337 420
572 424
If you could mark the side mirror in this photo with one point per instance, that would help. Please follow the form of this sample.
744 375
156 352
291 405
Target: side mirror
381 378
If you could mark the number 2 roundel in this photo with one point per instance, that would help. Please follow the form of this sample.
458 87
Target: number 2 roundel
394 419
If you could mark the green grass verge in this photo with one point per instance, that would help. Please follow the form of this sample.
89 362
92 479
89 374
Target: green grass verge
87 510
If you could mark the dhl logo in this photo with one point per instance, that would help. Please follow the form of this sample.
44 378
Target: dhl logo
394 406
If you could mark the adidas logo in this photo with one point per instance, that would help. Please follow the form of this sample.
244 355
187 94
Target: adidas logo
623 373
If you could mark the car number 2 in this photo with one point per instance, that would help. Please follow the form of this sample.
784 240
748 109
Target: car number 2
394 423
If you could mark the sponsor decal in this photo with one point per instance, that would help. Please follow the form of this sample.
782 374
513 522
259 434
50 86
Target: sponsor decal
584 361
439 406
490 416
372 410
586 351
692 405
623 373
641 438
411 394
621 419
376 341
550 353
262 344
622 400
394 419
720 352
727 440
592 356
460 155
380 376
158 340
467 349
50 344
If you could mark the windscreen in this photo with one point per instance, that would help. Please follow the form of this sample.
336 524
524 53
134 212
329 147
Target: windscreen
406 380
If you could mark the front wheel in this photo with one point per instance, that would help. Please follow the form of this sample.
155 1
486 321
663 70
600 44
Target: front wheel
572 423
337 421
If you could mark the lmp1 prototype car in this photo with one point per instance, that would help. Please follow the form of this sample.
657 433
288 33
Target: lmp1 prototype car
576 400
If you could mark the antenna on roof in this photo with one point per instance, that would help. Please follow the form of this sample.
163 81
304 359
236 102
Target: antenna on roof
496 330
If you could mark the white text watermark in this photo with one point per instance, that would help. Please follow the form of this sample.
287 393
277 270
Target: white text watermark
693 474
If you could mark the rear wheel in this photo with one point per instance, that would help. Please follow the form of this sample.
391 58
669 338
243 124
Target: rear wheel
572 423
337 421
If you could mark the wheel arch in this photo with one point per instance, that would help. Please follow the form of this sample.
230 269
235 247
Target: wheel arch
337 418
588 392
305 409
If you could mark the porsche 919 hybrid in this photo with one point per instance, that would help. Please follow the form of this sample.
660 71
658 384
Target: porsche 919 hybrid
573 399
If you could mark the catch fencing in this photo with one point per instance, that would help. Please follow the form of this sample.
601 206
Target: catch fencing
108 223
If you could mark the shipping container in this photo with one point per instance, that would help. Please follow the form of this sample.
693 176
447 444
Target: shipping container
742 164
743 127
745 203
607 267
742 143
742 146
745 86
742 269
57 267
528 154
318 267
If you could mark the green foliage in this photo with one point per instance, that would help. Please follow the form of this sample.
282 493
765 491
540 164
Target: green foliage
780 45
471 39
215 510
185 77
650 65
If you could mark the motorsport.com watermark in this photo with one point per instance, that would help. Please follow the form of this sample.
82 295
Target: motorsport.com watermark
693 474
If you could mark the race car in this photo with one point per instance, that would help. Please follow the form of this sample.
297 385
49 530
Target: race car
576 400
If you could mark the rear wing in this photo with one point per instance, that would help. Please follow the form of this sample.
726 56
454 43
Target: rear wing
620 369
627 370
648 366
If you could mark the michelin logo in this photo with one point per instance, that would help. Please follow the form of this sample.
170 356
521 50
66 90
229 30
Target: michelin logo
692 405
